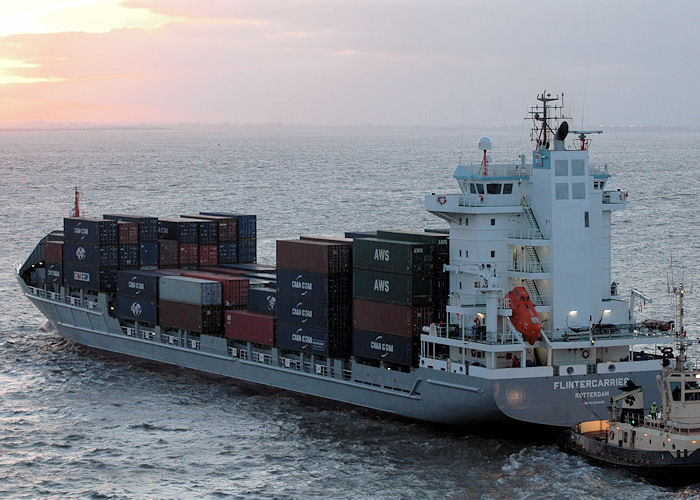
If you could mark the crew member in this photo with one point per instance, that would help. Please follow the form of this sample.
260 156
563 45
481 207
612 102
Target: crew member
653 410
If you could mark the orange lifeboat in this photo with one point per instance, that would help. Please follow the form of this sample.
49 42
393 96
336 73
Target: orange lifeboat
524 318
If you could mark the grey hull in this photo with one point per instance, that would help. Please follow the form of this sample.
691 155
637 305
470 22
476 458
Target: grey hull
423 394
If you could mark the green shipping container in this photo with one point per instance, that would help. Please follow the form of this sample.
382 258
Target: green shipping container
403 257
393 288
441 243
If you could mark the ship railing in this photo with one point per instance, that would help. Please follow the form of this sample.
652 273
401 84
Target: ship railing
474 334
615 197
529 267
598 169
605 332
521 231
56 297
667 425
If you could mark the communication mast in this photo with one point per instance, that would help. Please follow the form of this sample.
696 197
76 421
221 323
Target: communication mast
545 118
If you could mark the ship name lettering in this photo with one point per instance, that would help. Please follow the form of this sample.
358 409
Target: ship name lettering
381 254
589 384
381 285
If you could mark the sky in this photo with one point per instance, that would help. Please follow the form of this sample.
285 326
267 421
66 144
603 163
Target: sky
352 62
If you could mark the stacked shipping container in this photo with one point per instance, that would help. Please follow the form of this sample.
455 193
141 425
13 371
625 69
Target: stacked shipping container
137 296
190 304
242 248
314 296
392 298
138 241
54 263
90 253
441 253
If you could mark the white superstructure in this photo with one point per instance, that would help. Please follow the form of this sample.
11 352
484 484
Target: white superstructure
543 226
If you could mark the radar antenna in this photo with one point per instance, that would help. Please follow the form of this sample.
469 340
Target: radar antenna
679 290
584 142
545 118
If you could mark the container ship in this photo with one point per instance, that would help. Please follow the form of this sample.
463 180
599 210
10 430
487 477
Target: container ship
509 313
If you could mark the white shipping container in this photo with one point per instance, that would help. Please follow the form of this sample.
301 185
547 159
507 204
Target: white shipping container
190 290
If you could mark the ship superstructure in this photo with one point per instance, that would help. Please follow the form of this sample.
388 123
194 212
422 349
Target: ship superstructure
534 328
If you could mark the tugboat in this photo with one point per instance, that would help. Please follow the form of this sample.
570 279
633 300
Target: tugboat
662 443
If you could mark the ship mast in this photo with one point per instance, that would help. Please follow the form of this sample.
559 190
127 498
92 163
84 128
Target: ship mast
76 207
679 291
541 116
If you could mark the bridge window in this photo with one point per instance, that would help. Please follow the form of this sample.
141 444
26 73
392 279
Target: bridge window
561 168
577 168
578 191
476 188
676 391
561 191
493 188
507 188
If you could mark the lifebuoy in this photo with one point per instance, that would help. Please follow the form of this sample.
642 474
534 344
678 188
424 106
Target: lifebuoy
442 200
585 353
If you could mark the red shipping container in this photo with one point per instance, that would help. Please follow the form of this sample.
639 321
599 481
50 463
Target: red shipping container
314 256
250 326
128 233
189 254
208 255
393 319
54 252
234 290
168 254
199 319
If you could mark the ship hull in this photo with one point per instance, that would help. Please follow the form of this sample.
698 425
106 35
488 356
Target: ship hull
655 464
423 394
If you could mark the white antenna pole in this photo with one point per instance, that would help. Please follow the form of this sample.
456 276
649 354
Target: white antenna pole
583 104
461 120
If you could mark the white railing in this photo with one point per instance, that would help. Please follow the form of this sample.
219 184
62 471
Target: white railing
615 197
56 297
528 267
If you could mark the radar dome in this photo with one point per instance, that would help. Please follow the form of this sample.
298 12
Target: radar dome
485 143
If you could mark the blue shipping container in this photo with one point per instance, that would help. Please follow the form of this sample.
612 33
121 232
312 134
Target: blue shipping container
263 300
138 284
148 226
383 347
302 312
148 253
137 309
80 252
302 285
302 338
89 277
247 250
129 257
90 230
228 252
247 224
54 273
182 230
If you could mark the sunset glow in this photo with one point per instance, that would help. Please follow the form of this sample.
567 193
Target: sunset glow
339 62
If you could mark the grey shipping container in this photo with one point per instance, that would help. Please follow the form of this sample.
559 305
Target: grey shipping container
391 256
137 309
384 347
304 339
263 300
138 284
392 288
190 290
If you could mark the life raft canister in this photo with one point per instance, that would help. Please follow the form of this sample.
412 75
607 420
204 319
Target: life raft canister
524 315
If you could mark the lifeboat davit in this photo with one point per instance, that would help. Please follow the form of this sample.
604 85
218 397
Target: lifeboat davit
524 317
